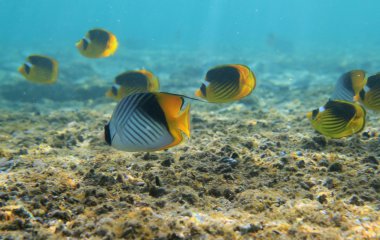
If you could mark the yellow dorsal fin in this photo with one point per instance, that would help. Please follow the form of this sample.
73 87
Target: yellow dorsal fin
171 104
178 125
153 82
177 121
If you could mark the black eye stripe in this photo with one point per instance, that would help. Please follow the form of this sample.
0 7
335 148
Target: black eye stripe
27 68
114 91
85 44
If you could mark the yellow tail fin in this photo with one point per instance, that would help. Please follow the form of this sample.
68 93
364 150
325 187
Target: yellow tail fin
183 121
111 46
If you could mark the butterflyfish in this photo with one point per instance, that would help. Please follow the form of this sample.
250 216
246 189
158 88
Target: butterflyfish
370 95
131 82
97 43
349 86
338 118
227 83
40 69
148 122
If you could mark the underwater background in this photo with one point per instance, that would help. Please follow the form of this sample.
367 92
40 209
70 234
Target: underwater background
251 169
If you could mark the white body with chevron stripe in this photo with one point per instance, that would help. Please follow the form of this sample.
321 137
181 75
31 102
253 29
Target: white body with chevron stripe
138 124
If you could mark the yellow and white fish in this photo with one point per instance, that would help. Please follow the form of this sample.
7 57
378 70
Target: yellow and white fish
148 122
337 118
40 69
98 43
133 82
227 83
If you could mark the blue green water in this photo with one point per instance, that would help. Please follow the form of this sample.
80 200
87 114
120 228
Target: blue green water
180 40
193 24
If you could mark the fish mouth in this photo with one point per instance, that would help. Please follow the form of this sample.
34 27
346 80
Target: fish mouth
78 44
20 70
